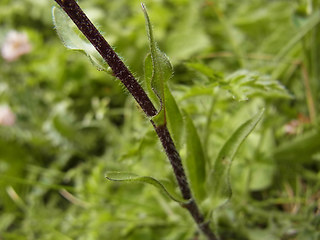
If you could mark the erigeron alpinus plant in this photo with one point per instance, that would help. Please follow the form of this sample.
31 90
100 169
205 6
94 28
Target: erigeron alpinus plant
204 185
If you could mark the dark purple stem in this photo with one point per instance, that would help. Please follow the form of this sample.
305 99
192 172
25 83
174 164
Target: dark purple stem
118 67
175 160
122 72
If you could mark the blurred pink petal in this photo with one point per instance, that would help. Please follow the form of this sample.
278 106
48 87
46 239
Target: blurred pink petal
7 117
15 45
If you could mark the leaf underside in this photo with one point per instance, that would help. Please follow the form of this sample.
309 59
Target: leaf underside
163 185
71 39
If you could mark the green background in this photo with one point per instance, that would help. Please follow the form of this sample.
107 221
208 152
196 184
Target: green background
74 123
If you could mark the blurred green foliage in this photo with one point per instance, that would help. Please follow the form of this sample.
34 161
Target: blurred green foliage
74 123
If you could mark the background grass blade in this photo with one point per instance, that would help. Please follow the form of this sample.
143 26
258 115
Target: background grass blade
307 27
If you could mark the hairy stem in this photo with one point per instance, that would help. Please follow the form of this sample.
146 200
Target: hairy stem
109 55
121 71
175 160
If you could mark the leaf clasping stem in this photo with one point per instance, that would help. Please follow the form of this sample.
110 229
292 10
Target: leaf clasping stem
108 54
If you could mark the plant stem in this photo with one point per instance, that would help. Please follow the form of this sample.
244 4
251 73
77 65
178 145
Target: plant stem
109 55
175 160
121 71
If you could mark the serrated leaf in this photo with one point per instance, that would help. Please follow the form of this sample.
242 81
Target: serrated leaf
219 185
70 38
243 84
164 186
161 71
195 159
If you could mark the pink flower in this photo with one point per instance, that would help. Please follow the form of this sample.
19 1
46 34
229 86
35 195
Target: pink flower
15 45
296 125
7 117
291 127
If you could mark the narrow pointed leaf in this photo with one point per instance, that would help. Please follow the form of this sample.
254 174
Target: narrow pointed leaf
161 71
219 185
164 186
148 71
310 24
174 118
195 160
173 113
70 38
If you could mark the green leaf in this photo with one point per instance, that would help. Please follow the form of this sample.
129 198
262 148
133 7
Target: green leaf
243 84
158 71
71 39
309 24
213 75
261 175
148 71
174 118
195 160
195 91
300 149
172 111
164 186
161 71
188 36
219 185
